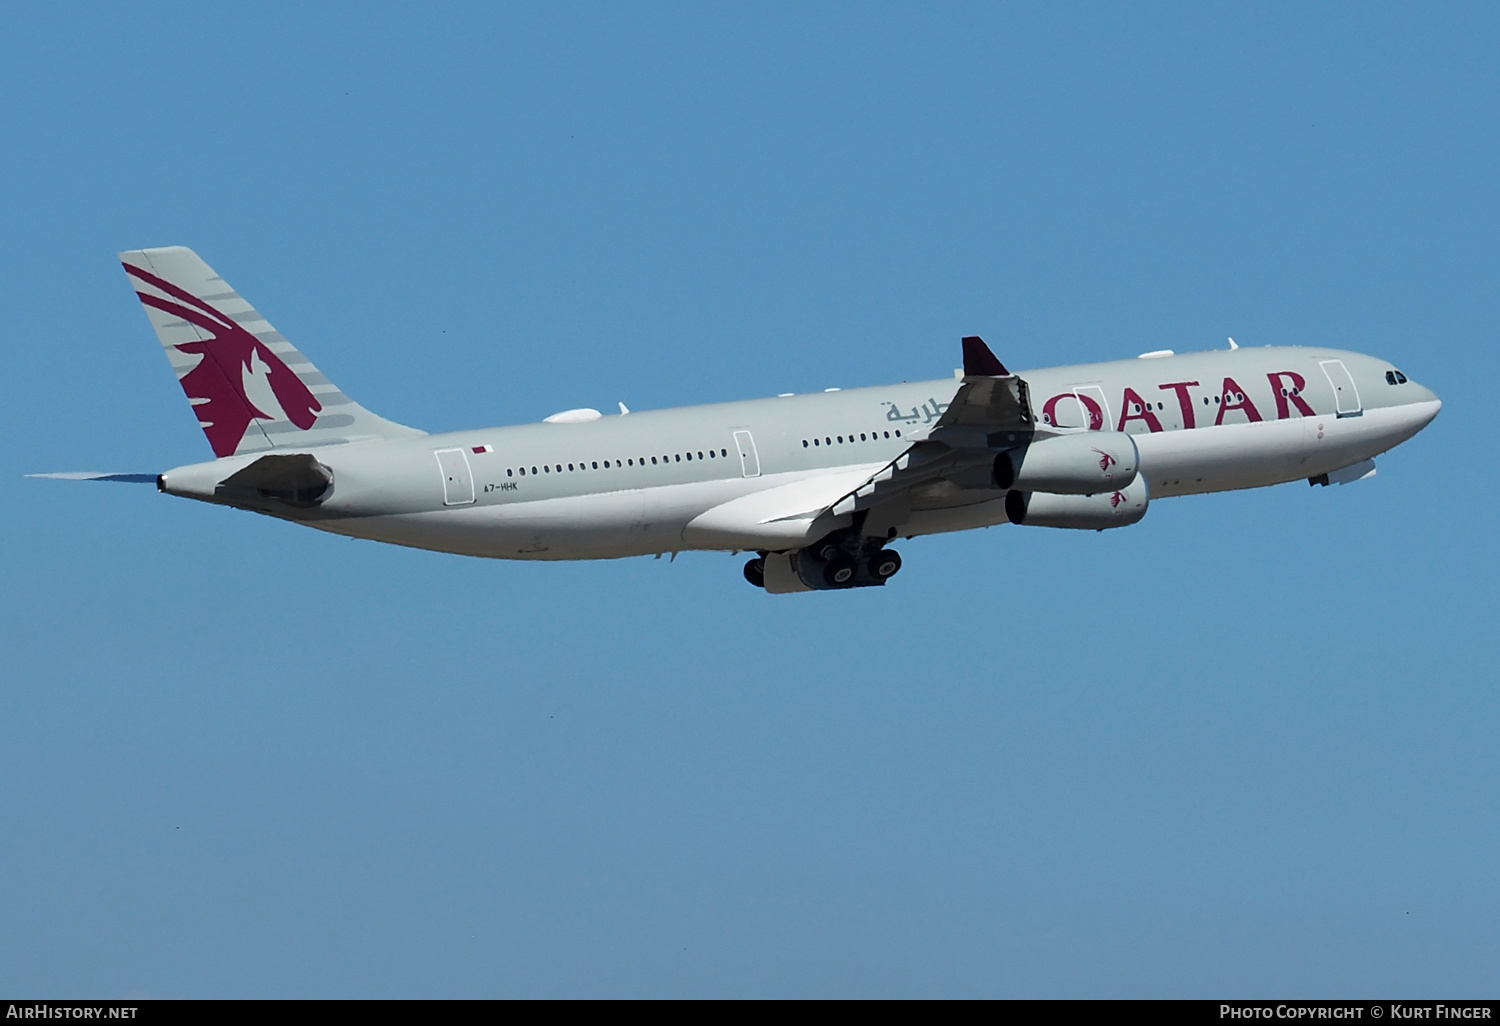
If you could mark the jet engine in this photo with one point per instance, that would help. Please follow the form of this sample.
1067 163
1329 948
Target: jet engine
1082 464
1118 507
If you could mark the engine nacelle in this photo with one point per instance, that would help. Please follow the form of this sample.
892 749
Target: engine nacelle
1083 464
1118 507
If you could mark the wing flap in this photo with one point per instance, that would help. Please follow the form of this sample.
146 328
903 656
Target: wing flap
778 518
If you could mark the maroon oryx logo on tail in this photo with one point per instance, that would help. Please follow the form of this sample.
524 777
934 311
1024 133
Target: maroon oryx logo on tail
1105 461
216 386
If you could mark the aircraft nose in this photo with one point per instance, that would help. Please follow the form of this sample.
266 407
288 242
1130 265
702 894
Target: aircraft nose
1424 406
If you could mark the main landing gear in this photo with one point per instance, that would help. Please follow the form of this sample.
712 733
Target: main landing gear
835 562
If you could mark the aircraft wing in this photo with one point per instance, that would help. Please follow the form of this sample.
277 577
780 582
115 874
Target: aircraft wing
984 407
950 466
990 412
778 518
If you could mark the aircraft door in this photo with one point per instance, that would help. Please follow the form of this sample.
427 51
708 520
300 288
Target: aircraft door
1345 394
749 458
458 481
1080 408
1095 407
1065 413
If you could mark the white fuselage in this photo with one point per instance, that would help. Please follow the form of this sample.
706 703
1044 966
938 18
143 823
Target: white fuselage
634 484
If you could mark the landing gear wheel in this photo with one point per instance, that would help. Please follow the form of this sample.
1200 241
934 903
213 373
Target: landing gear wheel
884 564
755 572
840 572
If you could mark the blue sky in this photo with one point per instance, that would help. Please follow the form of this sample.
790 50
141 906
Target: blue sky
1246 747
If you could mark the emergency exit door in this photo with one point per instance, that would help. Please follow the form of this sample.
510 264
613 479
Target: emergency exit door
749 458
1345 395
458 482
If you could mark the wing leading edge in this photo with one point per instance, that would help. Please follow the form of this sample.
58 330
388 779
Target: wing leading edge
991 412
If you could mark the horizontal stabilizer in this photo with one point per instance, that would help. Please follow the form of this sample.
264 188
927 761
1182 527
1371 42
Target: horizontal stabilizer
89 475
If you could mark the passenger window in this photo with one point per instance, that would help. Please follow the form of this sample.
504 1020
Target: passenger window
724 452
815 441
898 432
508 472
596 466
887 434
700 455
679 457
653 461
690 457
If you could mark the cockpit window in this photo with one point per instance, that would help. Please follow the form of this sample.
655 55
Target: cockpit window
1395 377
1400 378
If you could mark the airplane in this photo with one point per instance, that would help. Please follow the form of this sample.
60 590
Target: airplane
816 486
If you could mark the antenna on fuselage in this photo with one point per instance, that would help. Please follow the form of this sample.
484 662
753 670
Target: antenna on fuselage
1233 344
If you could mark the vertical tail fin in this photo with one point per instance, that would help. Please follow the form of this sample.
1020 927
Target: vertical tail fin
251 389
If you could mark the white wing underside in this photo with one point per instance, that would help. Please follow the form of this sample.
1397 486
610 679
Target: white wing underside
948 466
